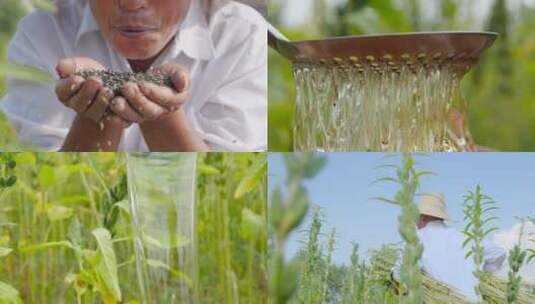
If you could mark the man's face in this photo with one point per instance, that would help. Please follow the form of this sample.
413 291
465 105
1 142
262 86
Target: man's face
421 222
139 29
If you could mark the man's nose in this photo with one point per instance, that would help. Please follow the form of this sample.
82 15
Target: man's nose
132 5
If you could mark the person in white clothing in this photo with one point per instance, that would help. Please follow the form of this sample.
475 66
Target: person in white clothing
443 256
214 51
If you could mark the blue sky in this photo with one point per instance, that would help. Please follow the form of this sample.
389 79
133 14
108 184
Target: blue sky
344 191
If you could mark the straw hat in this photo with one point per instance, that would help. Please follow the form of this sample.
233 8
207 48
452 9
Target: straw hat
433 204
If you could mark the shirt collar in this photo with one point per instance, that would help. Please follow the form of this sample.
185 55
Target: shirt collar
193 38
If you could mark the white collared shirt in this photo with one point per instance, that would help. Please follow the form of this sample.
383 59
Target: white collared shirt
225 56
444 260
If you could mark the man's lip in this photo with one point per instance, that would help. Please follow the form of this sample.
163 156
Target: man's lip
135 28
134 31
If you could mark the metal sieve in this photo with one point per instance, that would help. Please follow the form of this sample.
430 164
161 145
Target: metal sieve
392 92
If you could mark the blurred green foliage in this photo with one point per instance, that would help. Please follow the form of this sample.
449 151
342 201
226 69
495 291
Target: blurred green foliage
499 90
10 12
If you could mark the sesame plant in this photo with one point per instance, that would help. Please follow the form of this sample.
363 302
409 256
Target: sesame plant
286 214
517 257
408 177
8 293
477 209
531 252
311 279
355 279
331 242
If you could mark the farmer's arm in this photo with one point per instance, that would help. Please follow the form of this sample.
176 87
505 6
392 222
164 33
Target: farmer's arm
494 256
86 135
172 132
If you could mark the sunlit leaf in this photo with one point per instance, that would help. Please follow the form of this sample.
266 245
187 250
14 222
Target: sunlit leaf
207 169
24 73
248 183
107 266
4 251
252 224
8 294
47 176
58 213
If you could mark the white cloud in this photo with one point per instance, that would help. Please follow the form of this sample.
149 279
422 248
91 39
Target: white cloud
507 239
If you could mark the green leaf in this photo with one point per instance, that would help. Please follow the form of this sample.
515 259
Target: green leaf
74 234
249 182
207 169
44 5
252 224
385 200
277 208
25 158
47 176
45 246
107 265
176 273
57 213
385 179
4 251
123 205
8 294
314 166
24 73
179 241
76 168
468 254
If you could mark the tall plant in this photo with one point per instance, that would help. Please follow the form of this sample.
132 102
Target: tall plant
408 178
286 214
531 252
355 282
328 267
311 278
517 257
8 293
477 209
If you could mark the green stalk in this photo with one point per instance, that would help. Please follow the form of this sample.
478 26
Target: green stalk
517 257
408 179
326 278
477 208
410 271
310 283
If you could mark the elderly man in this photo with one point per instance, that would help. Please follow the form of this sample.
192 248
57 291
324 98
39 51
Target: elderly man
443 256
213 51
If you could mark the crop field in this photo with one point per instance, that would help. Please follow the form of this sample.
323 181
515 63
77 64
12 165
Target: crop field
71 230
312 276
